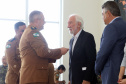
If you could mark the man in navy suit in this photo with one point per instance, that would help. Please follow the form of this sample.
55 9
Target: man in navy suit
113 40
82 53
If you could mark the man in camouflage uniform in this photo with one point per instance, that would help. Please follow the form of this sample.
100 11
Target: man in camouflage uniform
3 70
57 73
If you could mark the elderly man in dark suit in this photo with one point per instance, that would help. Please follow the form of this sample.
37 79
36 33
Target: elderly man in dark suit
82 53
113 41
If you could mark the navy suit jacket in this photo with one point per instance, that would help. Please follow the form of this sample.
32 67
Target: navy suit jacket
111 51
84 56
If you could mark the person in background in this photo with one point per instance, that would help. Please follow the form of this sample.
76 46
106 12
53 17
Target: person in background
35 54
122 74
61 69
110 55
13 56
3 70
82 53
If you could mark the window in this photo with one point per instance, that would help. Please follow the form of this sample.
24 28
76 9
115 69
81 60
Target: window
13 11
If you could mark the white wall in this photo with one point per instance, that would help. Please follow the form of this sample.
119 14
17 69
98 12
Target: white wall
91 12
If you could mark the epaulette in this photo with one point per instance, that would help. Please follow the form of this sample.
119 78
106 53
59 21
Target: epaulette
33 28
11 40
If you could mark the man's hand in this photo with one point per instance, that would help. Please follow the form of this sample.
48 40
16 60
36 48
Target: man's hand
64 50
123 81
69 82
85 82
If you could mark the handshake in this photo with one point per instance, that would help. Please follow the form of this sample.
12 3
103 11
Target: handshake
64 50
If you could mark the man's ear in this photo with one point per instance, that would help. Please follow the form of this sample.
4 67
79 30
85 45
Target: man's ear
36 21
79 24
109 13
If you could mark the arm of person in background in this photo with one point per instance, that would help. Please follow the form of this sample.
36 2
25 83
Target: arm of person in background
121 73
123 81
123 65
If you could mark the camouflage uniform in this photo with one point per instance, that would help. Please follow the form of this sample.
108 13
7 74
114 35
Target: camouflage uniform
3 71
99 79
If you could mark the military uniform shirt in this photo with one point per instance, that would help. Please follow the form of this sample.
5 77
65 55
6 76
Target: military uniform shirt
3 71
35 57
14 61
56 75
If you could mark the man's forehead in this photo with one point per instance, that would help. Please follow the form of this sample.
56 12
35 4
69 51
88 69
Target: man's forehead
72 18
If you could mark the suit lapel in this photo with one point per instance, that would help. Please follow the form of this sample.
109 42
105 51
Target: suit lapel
71 43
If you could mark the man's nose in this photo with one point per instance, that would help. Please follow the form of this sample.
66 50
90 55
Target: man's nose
68 26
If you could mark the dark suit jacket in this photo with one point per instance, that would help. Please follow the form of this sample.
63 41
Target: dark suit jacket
111 51
83 56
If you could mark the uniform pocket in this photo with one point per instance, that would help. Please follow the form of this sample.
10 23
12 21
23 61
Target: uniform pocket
42 71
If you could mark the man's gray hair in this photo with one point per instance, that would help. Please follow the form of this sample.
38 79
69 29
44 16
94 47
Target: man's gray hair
113 7
34 15
78 19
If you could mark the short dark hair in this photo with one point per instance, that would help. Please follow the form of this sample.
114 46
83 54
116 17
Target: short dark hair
16 26
113 7
62 67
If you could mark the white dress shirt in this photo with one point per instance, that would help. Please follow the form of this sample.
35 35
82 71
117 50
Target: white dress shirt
75 39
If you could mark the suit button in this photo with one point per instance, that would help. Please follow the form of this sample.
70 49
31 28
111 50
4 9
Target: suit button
42 67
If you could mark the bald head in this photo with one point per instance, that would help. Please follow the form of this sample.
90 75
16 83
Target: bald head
35 15
36 19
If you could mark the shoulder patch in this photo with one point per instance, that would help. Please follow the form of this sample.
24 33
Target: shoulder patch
57 74
11 40
33 28
36 34
8 46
